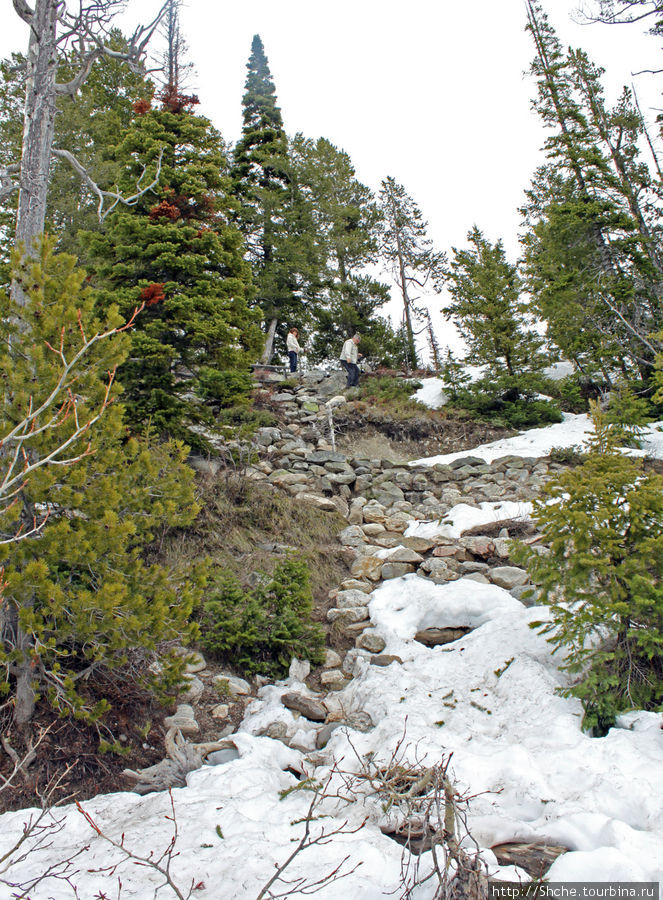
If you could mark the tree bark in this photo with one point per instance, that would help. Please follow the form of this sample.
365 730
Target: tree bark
38 126
269 343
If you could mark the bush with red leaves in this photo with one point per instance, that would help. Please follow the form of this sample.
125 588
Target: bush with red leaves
165 210
141 107
152 294
176 102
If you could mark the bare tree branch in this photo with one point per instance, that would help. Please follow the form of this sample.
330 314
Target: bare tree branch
24 11
7 185
103 195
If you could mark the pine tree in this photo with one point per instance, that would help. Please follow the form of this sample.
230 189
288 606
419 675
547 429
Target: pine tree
489 310
593 251
346 222
602 579
410 256
80 597
176 250
272 216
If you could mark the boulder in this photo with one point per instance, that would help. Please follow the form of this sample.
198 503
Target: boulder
306 706
332 659
352 536
371 641
192 689
508 577
367 567
220 711
352 598
395 570
322 503
333 680
348 616
236 687
385 659
434 637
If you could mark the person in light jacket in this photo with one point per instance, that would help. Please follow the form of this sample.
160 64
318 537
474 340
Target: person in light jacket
292 343
349 358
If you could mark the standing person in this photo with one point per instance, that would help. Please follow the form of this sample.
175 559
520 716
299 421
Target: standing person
349 357
292 343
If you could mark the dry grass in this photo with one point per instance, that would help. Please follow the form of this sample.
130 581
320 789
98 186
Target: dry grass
246 527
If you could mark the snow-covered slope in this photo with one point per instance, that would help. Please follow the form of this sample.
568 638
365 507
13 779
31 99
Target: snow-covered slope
489 699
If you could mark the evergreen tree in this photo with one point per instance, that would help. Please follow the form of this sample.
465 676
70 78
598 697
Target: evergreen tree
176 250
80 597
603 522
593 249
87 125
489 311
410 257
272 216
346 222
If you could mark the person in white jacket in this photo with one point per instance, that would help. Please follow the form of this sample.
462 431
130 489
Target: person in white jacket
349 359
292 344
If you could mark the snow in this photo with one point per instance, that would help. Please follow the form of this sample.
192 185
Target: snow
573 431
489 699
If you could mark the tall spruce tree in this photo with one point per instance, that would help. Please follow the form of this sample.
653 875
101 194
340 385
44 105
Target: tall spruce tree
490 311
80 597
272 216
347 223
410 257
176 250
597 200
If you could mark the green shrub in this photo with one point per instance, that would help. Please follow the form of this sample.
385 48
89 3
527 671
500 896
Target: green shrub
243 421
505 405
387 388
224 388
602 579
260 630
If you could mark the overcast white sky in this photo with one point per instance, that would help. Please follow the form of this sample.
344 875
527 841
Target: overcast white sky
432 92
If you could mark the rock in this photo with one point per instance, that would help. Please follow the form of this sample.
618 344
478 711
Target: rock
236 687
439 570
299 670
527 594
220 711
352 536
418 544
349 616
220 757
193 690
448 551
434 637
535 857
374 512
508 577
351 657
398 522
195 661
480 546
476 576
385 659
355 513
332 659
323 503
277 731
351 584
352 598
333 679
373 528
405 555
325 456
341 505
183 719
367 567
306 706
360 721
502 547
395 570
323 735
371 641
